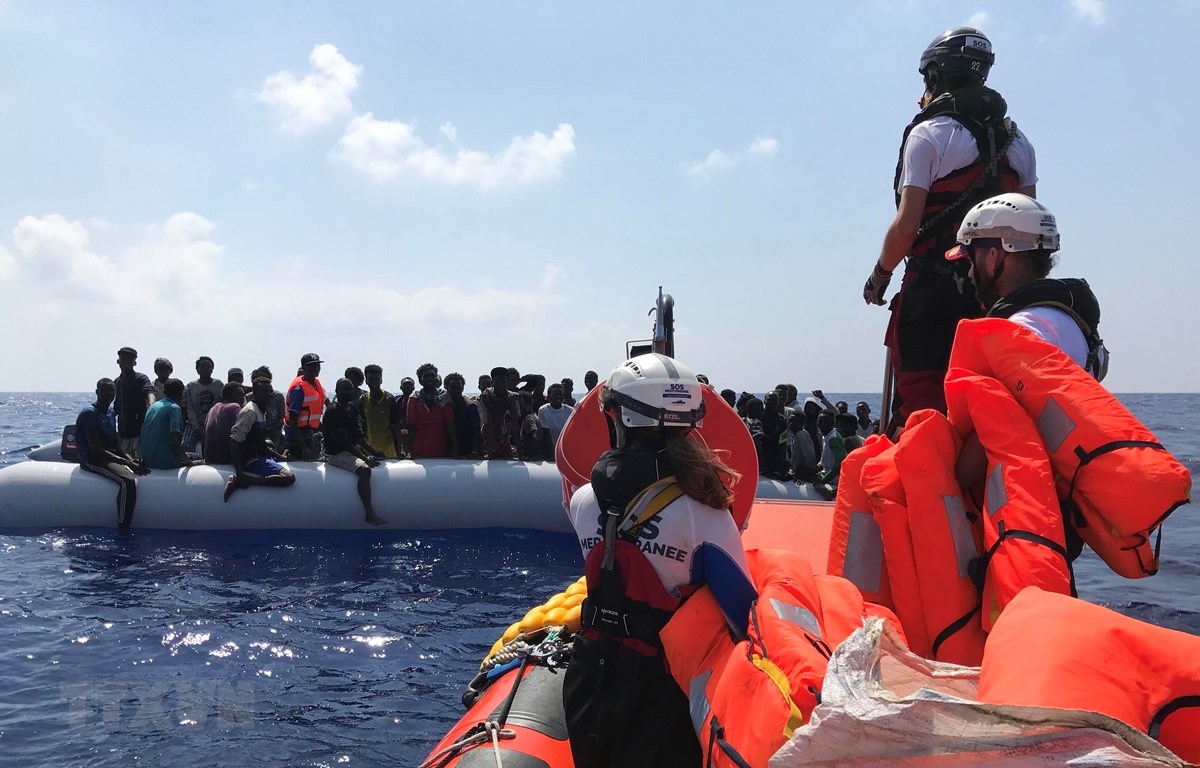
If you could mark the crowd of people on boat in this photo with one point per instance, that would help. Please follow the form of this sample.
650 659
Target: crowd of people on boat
802 442
162 423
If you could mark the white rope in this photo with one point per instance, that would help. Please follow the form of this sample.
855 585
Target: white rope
493 728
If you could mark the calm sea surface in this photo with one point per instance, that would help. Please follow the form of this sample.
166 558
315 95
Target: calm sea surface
324 649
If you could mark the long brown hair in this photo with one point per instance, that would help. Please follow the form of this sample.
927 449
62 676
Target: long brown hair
702 473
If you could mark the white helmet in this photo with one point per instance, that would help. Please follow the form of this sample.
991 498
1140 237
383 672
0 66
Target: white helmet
1020 222
656 391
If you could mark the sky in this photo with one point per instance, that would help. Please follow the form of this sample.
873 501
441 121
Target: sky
476 184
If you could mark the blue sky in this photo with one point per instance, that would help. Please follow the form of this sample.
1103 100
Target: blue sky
476 184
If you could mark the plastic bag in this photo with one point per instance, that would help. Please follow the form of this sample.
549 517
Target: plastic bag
883 705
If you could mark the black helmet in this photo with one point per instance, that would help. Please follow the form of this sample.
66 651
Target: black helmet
960 51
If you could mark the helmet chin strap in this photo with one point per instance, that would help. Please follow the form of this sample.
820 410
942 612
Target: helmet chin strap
989 293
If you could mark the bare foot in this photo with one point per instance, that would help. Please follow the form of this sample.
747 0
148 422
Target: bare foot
374 519
231 485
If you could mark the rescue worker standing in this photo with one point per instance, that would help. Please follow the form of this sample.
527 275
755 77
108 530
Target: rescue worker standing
654 525
959 149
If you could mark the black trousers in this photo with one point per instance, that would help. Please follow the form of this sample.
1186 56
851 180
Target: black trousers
624 709
126 480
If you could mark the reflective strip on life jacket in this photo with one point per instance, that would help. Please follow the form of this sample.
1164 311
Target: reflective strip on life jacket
942 538
855 548
1023 538
748 698
1049 650
1117 482
883 487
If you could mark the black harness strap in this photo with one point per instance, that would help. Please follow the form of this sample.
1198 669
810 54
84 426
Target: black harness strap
610 611
987 174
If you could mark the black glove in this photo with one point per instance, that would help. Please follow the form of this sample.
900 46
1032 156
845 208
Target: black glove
876 285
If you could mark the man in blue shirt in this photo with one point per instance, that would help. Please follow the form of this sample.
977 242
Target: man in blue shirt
162 431
98 451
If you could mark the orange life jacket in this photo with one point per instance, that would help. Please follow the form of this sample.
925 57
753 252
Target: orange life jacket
1023 538
883 487
855 548
1049 650
942 537
748 697
1116 481
928 540
314 402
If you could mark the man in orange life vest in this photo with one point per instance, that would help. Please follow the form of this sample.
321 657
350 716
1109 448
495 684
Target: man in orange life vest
1007 243
958 150
305 404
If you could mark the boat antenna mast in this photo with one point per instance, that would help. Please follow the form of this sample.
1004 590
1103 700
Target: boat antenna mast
663 341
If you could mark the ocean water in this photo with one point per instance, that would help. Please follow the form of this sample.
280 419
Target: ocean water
189 649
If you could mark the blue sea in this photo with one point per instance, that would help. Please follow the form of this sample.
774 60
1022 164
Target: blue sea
349 649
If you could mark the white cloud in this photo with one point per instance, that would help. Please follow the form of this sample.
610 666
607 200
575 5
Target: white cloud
8 264
316 99
176 269
718 161
1094 11
387 150
57 253
171 288
449 132
764 146
178 259
979 20
172 268
450 305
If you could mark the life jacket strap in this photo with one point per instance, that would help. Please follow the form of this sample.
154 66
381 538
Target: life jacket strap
1168 709
716 738
979 566
954 627
1086 457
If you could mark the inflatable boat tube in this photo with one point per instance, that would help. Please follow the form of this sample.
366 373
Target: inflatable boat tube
527 704
428 494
